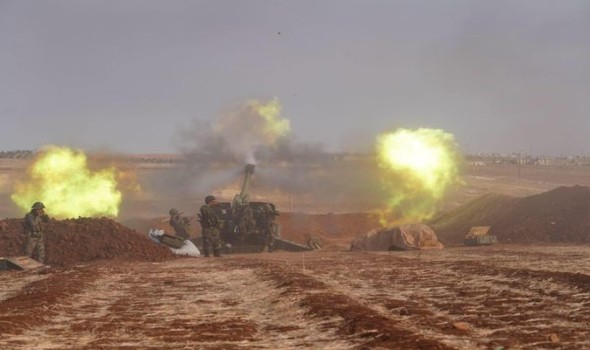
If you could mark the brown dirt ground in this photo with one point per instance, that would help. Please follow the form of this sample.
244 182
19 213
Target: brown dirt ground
517 297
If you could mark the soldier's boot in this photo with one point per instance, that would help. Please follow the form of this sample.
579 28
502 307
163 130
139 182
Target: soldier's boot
206 252
216 253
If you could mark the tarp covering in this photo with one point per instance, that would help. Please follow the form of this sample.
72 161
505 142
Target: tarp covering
188 248
404 237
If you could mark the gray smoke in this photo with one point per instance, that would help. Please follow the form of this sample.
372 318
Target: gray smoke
214 155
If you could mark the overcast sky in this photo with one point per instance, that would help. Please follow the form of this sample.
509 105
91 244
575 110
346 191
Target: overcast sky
128 75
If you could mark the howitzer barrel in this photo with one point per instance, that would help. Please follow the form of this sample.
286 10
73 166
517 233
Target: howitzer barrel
248 172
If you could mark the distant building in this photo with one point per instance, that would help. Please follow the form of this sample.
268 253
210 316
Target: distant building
478 163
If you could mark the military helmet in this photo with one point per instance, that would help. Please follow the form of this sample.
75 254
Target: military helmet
38 205
173 211
209 199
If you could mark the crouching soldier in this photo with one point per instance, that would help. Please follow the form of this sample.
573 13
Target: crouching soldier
34 240
211 226
179 223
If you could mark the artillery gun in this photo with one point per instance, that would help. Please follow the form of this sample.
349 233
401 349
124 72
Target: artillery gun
251 227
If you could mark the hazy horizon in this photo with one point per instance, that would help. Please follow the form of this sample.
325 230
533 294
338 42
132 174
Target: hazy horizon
132 76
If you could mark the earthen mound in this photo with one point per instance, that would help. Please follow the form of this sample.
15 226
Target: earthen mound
560 215
451 227
75 241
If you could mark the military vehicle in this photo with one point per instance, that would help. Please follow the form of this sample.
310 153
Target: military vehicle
251 227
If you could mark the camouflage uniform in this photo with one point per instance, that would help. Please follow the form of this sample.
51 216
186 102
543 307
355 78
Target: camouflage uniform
179 224
267 226
244 219
211 230
34 242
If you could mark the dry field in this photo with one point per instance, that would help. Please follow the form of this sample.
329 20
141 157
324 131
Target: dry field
502 297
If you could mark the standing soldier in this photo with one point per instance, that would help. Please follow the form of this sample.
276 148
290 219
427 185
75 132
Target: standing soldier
34 244
243 217
268 227
211 227
179 223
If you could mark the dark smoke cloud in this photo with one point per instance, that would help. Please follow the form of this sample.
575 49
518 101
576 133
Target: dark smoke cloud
214 155
305 175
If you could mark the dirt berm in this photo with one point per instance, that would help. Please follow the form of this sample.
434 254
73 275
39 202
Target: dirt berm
75 241
561 215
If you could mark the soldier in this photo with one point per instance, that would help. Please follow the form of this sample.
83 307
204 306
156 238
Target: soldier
211 227
34 244
267 227
244 219
179 223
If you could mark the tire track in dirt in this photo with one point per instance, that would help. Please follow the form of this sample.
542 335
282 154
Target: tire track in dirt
574 259
351 318
179 304
38 302
576 280
366 279
337 300
431 296
534 306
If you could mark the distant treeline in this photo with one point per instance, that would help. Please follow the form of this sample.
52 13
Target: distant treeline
18 154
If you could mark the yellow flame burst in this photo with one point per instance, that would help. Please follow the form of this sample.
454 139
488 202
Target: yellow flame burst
60 178
420 166
274 126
